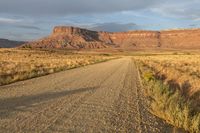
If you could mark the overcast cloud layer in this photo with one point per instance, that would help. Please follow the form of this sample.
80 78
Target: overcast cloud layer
64 7
33 19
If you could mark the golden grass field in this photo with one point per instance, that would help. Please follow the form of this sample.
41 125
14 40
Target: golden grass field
172 83
182 71
18 64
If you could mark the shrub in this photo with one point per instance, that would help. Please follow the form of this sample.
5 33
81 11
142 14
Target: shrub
171 105
148 76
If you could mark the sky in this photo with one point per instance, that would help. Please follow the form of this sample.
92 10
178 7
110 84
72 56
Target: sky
26 20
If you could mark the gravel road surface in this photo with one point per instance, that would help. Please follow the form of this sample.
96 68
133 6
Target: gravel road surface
105 97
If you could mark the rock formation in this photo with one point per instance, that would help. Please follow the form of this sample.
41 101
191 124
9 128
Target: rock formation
181 39
77 38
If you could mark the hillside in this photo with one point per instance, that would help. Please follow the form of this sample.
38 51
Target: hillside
77 38
5 43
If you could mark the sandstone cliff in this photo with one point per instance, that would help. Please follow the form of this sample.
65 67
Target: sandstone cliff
77 38
181 39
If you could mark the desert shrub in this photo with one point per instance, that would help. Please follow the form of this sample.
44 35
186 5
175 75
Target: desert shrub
175 53
27 46
148 76
188 53
195 124
169 104
106 54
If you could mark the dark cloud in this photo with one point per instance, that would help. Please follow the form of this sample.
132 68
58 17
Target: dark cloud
60 7
115 27
177 8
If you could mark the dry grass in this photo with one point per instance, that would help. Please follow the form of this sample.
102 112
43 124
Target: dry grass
172 84
18 64
180 71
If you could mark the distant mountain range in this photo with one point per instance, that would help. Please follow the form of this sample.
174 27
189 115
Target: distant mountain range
5 43
65 37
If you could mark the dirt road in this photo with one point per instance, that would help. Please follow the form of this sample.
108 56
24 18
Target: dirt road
105 97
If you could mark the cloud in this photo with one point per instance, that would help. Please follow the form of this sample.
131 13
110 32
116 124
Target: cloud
180 9
9 20
18 23
21 36
197 19
28 27
60 7
114 27
169 8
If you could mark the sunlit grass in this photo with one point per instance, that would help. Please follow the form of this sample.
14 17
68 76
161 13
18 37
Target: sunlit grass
171 99
18 64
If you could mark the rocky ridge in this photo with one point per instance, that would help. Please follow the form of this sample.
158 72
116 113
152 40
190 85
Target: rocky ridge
78 38
5 43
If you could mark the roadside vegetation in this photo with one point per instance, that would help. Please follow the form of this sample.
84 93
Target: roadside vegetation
21 64
172 84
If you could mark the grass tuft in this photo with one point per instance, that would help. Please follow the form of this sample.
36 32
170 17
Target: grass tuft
169 103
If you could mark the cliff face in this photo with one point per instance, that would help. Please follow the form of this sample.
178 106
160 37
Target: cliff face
70 38
187 39
77 38
135 39
125 40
